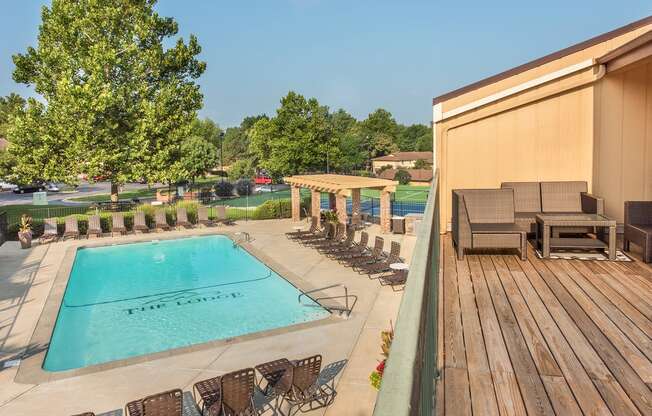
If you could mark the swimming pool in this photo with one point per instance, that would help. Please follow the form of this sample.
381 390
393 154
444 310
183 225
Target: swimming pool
127 300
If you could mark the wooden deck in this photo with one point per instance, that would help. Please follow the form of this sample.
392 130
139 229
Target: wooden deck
564 337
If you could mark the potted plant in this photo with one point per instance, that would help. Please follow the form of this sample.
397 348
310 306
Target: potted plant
25 231
376 376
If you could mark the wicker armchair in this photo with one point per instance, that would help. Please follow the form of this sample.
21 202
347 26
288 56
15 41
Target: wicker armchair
638 227
484 218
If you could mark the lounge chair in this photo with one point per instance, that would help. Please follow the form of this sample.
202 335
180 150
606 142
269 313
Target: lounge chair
140 224
358 249
272 372
317 234
50 231
94 226
161 221
638 227
238 393
208 395
302 388
72 227
118 224
331 235
168 403
182 219
394 279
202 217
382 266
337 238
375 255
345 244
221 215
314 226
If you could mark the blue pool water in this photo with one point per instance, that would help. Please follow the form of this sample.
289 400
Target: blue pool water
127 300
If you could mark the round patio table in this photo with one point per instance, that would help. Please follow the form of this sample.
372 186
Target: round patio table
399 266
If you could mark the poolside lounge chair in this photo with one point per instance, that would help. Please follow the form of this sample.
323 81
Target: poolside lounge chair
301 388
395 279
208 395
318 233
182 219
272 372
339 246
161 220
140 223
50 231
168 403
331 236
72 227
375 255
202 217
358 249
221 215
314 226
238 393
94 226
337 238
118 224
382 266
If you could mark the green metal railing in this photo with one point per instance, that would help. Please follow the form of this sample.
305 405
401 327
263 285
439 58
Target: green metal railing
408 384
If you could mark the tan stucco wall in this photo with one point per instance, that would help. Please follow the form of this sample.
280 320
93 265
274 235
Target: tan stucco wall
395 165
623 138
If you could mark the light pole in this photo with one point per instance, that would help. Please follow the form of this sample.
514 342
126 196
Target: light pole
221 155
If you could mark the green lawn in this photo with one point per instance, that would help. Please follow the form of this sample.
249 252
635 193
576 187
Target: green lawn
39 211
141 193
403 193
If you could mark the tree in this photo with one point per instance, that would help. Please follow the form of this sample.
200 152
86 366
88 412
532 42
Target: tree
117 103
198 156
421 164
9 106
402 176
410 137
298 139
7 163
243 168
236 140
379 131
207 129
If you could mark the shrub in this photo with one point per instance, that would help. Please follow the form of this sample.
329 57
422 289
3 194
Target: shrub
403 177
273 208
244 187
224 189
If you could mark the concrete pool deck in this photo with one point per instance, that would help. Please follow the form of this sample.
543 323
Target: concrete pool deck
27 277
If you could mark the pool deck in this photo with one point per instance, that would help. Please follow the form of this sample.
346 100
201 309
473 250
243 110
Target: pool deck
28 276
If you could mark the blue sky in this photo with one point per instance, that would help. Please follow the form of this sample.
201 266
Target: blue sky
358 55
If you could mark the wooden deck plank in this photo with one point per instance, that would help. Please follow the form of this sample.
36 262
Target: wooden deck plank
639 363
623 304
585 392
458 401
533 392
641 289
615 280
625 324
439 384
483 395
635 388
508 393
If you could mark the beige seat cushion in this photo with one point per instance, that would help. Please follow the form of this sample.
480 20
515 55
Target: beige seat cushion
562 196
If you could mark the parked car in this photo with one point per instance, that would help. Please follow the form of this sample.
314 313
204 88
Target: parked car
32 187
262 179
6 186
271 188
52 187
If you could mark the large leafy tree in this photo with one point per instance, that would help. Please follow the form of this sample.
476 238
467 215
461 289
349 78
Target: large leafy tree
414 137
116 102
297 140
198 155
236 140
9 106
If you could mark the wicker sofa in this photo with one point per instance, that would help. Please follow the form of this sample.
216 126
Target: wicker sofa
638 227
484 218
532 198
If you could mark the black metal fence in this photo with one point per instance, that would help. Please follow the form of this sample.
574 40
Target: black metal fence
3 227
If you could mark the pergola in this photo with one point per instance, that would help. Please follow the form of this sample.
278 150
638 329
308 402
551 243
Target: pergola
339 188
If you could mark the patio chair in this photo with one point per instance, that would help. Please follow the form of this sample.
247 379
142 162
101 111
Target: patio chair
320 233
238 393
314 226
208 395
118 224
638 227
382 266
94 226
50 231
345 244
202 217
398 278
72 227
358 249
168 403
221 217
140 223
182 219
332 236
271 373
337 239
161 222
302 389
375 255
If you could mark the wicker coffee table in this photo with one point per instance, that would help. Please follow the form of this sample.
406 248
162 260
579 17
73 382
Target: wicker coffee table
546 242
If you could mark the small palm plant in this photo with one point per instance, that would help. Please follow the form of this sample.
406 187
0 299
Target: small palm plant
25 231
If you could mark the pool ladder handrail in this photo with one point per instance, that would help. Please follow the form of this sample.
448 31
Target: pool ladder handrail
346 309
244 237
